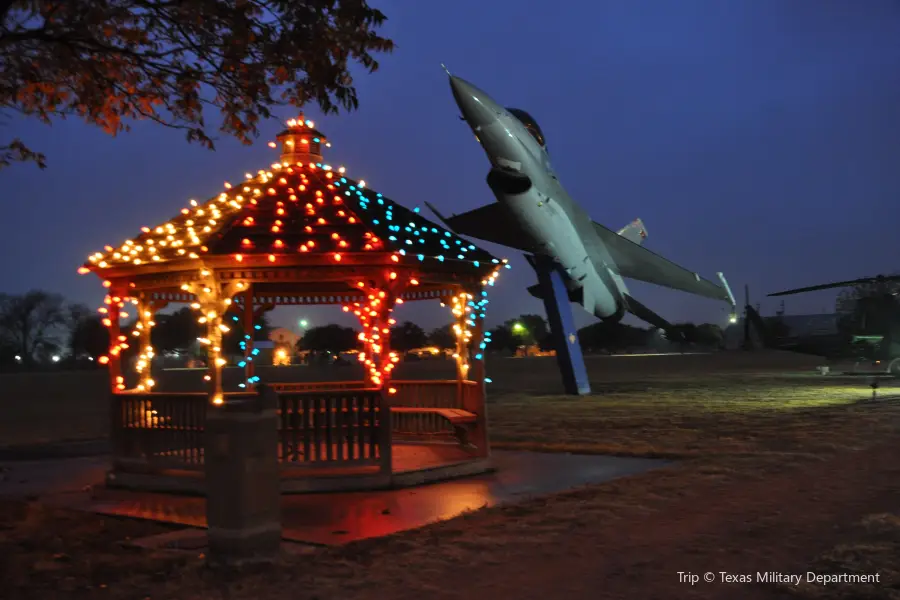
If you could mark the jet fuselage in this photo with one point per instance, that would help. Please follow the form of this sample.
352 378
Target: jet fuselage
523 180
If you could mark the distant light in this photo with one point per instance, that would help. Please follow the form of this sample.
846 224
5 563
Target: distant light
732 318
303 322
54 358
18 358
90 358
518 327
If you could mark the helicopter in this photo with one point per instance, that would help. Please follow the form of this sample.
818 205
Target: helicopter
870 337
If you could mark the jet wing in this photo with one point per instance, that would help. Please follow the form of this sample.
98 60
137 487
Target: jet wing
636 262
490 223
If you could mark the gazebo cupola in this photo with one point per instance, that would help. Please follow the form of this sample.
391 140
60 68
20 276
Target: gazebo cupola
301 142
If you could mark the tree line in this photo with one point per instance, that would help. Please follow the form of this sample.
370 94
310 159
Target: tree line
41 329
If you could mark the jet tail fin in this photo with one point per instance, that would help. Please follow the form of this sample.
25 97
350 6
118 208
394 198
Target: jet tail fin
634 232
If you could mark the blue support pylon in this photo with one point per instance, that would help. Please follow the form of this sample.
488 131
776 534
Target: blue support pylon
562 326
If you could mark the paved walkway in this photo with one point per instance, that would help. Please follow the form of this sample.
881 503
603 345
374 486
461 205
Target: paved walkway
330 519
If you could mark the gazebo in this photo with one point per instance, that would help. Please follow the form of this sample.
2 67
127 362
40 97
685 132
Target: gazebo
299 233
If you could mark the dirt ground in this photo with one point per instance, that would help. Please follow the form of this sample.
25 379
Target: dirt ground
778 472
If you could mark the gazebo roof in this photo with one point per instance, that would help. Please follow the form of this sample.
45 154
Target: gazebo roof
298 206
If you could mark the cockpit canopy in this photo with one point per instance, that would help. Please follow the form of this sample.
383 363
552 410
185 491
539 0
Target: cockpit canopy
530 124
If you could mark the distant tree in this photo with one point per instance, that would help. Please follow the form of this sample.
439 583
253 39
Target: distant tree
848 299
503 340
232 339
109 62
683 334
87 336
776 328
612 337
33 324
442 337
709 335
7 354
407 336
330 338
528 329
176 331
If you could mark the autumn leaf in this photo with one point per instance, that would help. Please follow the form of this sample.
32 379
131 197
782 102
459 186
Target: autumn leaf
112 61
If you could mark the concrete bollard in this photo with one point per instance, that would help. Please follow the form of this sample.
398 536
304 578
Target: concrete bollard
243 496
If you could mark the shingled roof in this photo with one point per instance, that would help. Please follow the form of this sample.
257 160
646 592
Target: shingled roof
299 205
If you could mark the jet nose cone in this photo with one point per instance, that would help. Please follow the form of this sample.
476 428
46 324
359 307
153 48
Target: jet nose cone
477 108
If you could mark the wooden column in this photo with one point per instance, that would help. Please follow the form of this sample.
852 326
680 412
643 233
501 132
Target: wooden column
211 298
247 323
115 358
475 395
145 315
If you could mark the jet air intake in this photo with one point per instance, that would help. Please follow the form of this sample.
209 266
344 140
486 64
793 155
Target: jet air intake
508 181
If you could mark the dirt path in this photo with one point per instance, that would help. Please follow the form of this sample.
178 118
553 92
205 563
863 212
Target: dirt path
775 523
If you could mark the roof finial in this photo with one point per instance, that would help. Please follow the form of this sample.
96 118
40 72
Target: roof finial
446 70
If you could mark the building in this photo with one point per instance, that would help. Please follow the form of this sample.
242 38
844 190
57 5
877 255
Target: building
283 336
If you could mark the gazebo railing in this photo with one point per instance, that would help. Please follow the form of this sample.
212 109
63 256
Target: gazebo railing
311 386
159 430
428 394
321 424
330 428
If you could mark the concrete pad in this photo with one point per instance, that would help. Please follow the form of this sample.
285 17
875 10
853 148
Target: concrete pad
58 476
339 518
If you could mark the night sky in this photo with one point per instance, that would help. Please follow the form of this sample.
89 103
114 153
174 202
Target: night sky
756 137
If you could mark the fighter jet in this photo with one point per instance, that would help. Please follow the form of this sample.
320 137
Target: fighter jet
534 214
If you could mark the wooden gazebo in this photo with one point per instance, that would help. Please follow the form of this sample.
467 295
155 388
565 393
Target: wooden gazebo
299 233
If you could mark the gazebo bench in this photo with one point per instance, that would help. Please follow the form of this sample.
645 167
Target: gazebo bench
458 418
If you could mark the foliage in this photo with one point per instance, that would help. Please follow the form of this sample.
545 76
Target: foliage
177 331
681 333
231 340
32 323
710 335
443 337
113 61
612 337
868 309
502 339
847 301
407 336
528 329
330 338
87 336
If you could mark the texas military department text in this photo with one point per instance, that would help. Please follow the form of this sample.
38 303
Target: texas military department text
776 577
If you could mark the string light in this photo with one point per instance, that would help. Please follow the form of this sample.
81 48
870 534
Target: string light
299 205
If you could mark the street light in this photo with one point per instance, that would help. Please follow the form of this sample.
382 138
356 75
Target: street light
518 328
304 323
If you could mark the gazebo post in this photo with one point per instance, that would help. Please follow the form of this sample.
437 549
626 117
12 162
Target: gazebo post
458 303
247 323
145 310
213 309
474 397
115 358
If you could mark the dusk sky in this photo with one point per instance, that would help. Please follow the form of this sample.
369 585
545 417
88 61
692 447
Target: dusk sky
756 137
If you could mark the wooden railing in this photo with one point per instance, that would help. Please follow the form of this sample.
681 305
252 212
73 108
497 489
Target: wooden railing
321 423
159 430
329 428
427 394
313 386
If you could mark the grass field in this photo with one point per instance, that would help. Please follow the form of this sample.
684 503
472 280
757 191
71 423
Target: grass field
783 470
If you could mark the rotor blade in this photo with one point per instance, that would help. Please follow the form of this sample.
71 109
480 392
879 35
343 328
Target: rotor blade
837 284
